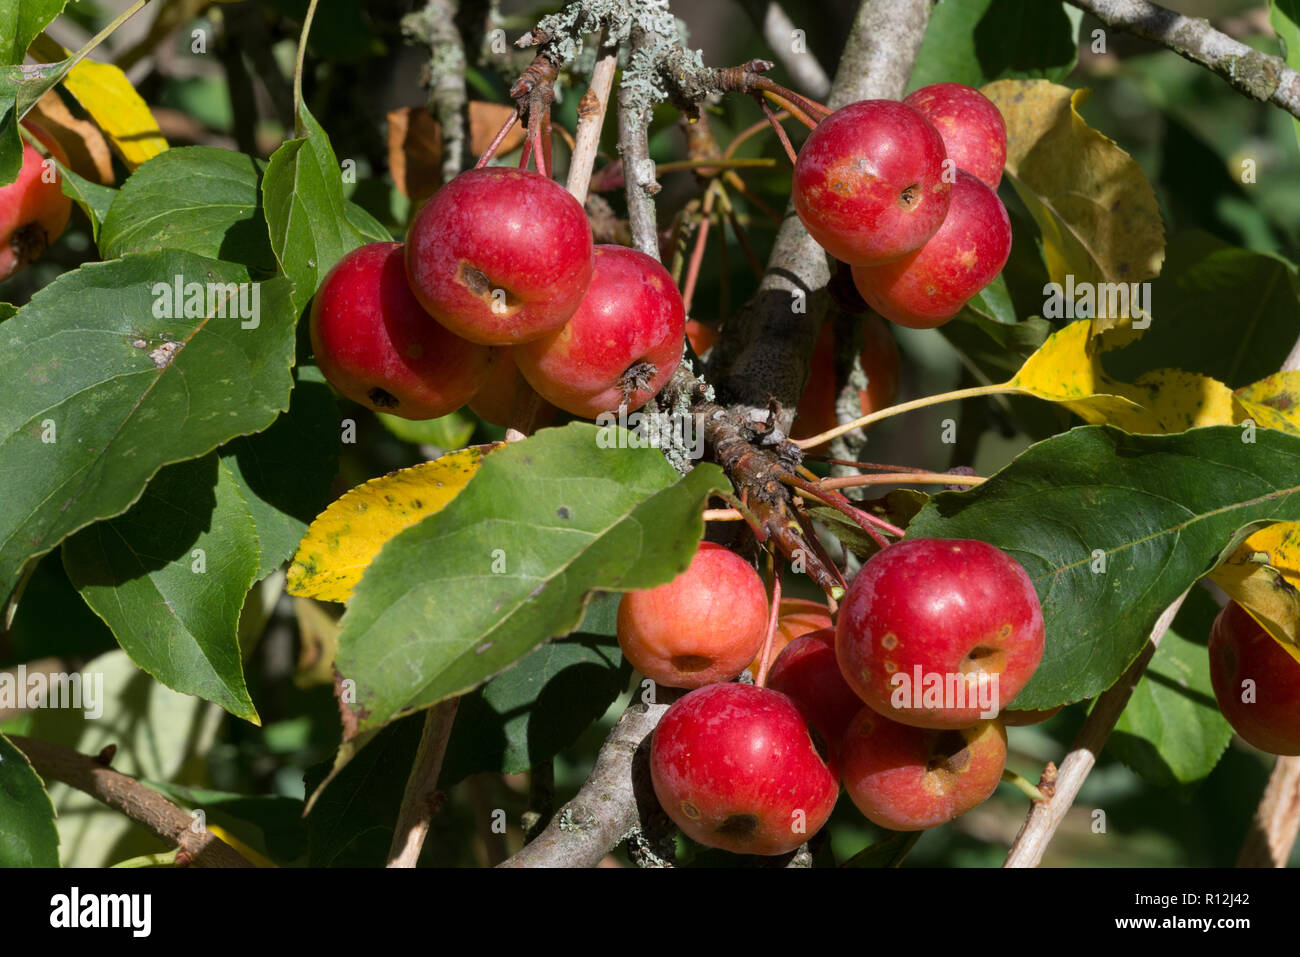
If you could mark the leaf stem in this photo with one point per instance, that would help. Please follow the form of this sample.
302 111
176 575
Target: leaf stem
874 417
298 68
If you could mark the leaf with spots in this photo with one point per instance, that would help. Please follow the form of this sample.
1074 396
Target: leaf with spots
512 561
1113 527
1263 576
1171 731
1097 213
1068 369
345 538
102 389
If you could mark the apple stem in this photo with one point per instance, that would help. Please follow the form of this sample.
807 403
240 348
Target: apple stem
750 131
697 251
841 504
735 182
497 140
789 107
874 417
725 201
780 131
1024 785
755 162
774 613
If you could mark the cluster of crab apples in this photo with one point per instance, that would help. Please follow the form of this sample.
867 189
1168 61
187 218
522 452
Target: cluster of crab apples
900 700
498 276
905 194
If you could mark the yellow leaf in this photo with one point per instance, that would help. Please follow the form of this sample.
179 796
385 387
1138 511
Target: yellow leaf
346 537
1274 402
1067 370
112 102
1263 576
1096 211
250 855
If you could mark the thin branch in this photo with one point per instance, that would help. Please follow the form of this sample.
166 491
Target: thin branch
608 805
1061 786
420 801
638 168
92 776
591 119
1276 822
1255 74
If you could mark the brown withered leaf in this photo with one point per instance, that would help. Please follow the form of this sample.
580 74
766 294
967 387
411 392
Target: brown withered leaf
415 144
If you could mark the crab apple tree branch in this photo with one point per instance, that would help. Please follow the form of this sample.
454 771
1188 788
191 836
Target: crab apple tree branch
1255 74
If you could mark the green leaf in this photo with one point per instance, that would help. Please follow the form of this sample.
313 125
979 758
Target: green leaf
28 837
510 562
887 852
11 143
93 199
7 311
169 577
352 821
975 41
1224 312
310 229
995 349
536 709
1171 731
21 21
103 392
286 472
448 432
994 302
371 229
198 199
897 507
52 619
1160 511
1284 17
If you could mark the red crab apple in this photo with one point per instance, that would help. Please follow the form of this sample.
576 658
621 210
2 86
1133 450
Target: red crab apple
808 673
1265 713
735 767
869 183
703 626
495 401
500 256
908 779
973 131
33 210
621 345
939 633
377 345
795 617
928 287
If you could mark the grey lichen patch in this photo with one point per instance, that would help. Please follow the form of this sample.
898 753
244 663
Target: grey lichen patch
1252 73
575 819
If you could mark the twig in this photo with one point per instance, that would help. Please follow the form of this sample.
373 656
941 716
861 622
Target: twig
1046 816
778 32
608 805
419 800
638 168
435 26
900 478
591 119
1274 827
123 793
1255 74
773 616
